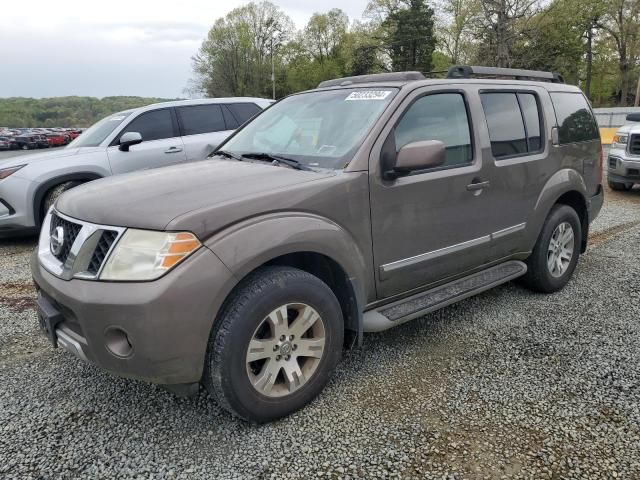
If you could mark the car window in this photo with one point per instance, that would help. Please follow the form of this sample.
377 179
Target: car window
153 125
201 119
532 120
575 120
442 116
506 127
99 131
243 111
229 119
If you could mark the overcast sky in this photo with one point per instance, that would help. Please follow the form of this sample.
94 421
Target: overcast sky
116 47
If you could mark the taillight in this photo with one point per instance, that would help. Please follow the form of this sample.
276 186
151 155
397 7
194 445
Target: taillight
601 165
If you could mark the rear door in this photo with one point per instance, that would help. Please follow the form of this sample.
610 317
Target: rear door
203 128
161 144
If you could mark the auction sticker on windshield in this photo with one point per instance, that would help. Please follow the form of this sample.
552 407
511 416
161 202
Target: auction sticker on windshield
369 95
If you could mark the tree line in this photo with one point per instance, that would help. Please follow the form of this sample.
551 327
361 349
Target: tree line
21 112
593 43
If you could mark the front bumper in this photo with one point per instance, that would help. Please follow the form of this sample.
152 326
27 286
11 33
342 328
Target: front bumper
167 321
621 168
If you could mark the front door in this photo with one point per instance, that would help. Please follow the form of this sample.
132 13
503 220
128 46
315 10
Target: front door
431 224
161 143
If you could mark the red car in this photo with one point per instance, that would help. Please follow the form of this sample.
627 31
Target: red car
57 139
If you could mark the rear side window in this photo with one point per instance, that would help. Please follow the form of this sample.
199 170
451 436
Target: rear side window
575 120
154 125
201 119
514 123
243 111
443 117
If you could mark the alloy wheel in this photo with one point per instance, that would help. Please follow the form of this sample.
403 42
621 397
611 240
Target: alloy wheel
285 350
560 251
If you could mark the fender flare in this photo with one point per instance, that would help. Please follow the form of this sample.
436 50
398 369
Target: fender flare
563 181
44 187
247 245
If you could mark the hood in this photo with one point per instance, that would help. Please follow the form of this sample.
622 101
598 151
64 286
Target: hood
632 127
150 199
42 156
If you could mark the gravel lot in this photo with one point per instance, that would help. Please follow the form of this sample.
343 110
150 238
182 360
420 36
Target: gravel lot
509 384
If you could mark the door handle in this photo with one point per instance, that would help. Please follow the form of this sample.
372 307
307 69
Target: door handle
173 150
478 185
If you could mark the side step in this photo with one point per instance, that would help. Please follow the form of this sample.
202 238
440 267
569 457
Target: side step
422 303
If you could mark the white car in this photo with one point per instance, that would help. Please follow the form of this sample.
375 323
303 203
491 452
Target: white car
147 137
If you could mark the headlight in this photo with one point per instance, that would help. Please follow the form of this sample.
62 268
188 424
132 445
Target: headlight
620 141
147 255
5 172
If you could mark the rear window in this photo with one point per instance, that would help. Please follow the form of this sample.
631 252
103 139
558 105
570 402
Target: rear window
243 111
514 123
575 120
201 119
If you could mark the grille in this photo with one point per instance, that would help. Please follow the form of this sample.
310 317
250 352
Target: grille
633 171
71 231
102 248
634 145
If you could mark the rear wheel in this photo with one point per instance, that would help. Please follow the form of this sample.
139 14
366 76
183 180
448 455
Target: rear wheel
275 344
555 255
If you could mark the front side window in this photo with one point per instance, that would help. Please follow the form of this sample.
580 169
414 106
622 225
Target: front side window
575 120
201 119
443 117
153 125
98 132
321 128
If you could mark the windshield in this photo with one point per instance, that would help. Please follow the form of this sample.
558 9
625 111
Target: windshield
95 135
318 129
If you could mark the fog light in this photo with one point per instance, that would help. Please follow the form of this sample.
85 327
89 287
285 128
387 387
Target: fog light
117 342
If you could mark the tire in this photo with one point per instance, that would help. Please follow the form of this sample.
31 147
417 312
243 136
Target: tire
539 276
53 194
229 376
619 186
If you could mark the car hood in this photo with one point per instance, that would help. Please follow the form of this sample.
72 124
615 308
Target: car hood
151 199
630 128
43 156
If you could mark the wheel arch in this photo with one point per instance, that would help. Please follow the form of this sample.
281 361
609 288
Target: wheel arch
305 241
566 187
46 186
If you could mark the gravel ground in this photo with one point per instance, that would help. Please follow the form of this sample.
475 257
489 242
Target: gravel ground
508 384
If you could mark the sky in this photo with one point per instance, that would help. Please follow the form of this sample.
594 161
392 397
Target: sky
117 47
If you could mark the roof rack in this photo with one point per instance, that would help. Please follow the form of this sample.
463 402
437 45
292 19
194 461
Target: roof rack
374 77
466 71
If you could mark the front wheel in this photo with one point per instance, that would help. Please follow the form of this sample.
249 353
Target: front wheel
555 255
274 345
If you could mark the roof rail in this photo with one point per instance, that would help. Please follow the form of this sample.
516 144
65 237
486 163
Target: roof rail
466 71
374 77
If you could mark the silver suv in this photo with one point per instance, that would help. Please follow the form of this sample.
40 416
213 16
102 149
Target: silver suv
147 137
623 165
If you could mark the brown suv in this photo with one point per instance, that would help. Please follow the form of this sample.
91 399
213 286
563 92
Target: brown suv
350 208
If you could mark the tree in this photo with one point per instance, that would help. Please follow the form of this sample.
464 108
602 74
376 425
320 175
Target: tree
408 36
234 58
455 30
621 21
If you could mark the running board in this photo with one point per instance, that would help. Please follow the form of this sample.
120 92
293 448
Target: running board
422 303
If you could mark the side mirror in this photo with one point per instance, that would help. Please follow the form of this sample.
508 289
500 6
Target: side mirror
418 156
633 117
128 139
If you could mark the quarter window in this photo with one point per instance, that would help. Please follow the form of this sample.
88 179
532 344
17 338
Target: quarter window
575 120
531 115
154 125
243 111
201 119
443 117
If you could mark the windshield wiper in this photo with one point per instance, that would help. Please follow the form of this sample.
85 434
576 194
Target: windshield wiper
276 159
224 153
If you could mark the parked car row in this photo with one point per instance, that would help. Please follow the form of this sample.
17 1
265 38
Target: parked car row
33 138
